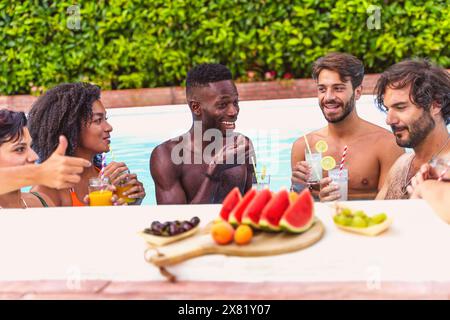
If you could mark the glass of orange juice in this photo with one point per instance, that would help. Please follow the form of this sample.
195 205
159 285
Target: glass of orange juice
99 192
124 186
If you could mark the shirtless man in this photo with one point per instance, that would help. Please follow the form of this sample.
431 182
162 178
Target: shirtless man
371 149
187 170
416 97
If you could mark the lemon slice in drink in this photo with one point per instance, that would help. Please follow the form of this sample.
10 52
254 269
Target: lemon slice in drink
263 173
321 146
328 163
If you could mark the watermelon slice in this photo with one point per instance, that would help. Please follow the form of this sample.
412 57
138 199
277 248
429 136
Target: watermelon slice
253 211
229 203
299 217
273 211
236 215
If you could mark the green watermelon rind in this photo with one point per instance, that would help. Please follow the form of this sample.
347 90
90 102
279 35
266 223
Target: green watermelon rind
233 221
288 226
285 226
249 222
265 225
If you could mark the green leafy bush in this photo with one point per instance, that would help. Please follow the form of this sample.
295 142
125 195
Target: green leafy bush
140 43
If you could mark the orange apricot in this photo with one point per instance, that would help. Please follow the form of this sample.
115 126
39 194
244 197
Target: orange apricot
243 234
222 232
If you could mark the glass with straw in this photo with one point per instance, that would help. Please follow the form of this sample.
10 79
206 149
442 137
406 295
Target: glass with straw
100 193
339 175
124 183
314 159
123 186
261 179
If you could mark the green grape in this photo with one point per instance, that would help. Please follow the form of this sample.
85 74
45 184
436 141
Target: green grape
379 218
337 218
342 220
346 212
359 222
347 221
371 222
361 214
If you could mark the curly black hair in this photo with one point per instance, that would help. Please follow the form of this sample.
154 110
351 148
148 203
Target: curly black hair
62 110
11 125
205 73
429 83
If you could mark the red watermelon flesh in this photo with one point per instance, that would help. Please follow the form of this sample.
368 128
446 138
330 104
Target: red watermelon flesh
299 217
236 215
253 212
273 211
229 203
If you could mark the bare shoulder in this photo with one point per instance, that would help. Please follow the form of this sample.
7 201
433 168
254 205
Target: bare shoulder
162 167
50 195
247 139
376 130
35 201
164 149
381 136
31 200
300 144
401 162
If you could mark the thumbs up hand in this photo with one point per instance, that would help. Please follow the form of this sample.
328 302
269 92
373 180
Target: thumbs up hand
60 171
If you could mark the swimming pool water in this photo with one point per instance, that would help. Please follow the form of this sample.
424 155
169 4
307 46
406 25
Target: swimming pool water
273 125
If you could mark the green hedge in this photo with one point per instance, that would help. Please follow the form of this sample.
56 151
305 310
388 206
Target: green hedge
149 43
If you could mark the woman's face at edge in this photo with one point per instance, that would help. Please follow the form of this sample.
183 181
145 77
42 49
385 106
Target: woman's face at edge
18 152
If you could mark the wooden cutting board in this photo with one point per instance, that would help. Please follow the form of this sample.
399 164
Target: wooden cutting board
263 244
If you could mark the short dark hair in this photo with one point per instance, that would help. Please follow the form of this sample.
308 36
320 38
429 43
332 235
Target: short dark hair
429 83
11 125
204 74
346 65
62 110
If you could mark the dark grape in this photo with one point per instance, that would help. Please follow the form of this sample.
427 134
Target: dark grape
166 225
155 223
173 229
186 226
195 221
157 226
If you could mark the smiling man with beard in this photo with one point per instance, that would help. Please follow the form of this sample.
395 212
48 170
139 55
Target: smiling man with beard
207 162
416 97
371 149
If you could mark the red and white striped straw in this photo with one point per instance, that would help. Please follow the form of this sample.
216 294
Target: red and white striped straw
341 166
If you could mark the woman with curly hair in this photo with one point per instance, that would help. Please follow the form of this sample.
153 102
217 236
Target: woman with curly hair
75 111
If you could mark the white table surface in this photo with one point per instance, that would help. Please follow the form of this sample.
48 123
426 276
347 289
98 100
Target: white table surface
74 244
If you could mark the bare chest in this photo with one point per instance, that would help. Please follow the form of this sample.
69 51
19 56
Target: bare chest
362 165
194 175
